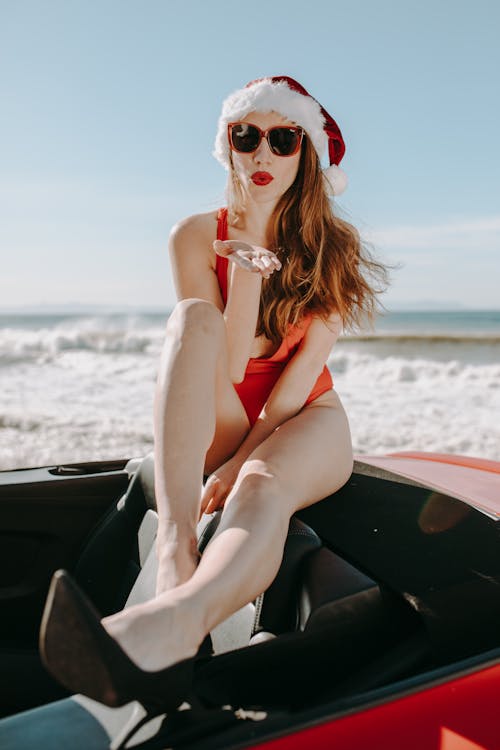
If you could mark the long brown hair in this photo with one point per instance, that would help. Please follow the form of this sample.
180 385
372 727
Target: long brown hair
326 268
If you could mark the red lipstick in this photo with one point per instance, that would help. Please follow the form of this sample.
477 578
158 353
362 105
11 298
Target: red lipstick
261 178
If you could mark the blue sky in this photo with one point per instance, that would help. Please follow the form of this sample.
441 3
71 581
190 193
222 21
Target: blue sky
109 111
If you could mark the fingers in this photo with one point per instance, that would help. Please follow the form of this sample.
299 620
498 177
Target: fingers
259 265
277 263
244 261
267 264
267 258
206 495
213 495
233 252
214 505
249 257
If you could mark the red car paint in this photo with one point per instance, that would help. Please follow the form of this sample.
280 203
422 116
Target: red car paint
460 714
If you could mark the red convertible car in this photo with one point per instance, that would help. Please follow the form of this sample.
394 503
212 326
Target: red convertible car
381 629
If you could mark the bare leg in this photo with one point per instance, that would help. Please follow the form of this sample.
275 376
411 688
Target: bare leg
199 421
304 460
194 396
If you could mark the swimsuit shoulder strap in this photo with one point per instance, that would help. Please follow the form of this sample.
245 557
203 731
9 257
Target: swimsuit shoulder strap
222 224
220 262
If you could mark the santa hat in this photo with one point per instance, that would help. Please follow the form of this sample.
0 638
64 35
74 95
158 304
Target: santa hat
287 97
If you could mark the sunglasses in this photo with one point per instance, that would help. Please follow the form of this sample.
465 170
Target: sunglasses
283 140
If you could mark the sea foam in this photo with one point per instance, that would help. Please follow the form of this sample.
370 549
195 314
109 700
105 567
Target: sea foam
81 388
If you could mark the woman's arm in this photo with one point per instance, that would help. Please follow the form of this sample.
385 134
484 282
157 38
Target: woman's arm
249 264
285 400
194 276
240 315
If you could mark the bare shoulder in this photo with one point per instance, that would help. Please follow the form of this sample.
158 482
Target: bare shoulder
332 322
322 333
193 259
194 234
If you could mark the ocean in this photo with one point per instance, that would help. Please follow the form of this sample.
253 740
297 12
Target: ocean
79 387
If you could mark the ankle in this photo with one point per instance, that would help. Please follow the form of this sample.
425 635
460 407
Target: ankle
174 529
176 538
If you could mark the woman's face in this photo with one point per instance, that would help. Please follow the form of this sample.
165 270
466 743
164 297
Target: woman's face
263 175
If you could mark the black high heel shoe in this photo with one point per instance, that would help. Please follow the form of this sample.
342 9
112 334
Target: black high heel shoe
79 652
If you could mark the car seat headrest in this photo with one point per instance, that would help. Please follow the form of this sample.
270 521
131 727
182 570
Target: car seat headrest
146 476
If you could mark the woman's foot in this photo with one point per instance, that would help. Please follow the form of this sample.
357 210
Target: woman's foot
91 662
159 632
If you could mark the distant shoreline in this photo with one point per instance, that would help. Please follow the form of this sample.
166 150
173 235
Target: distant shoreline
154 310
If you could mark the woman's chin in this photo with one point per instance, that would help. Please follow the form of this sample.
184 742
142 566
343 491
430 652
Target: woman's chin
264 193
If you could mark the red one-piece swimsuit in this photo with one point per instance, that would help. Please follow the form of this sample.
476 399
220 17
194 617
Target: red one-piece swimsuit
263 372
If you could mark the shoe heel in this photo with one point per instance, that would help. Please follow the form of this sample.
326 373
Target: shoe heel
78 651
68 645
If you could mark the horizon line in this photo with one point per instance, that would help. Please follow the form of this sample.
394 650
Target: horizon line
83 307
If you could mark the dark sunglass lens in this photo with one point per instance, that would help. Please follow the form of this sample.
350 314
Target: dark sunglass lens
244 137
284 141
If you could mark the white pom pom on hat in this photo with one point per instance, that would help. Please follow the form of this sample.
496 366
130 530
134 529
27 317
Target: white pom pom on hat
336 179
286 96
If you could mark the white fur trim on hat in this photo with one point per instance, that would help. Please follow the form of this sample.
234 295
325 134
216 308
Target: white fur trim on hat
336 179
266 96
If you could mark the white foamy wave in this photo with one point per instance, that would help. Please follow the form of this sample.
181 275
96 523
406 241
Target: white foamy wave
82 389
367 368
394 403
97 335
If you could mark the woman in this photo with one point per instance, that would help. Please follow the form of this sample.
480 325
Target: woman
243 394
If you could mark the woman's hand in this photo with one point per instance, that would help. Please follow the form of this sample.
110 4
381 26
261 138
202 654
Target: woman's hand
249 257
218 486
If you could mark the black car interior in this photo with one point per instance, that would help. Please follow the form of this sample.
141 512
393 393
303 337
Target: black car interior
368 593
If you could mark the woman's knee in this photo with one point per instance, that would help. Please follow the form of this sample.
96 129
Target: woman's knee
257 483
198 315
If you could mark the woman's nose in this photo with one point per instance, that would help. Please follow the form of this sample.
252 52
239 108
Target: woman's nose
263 153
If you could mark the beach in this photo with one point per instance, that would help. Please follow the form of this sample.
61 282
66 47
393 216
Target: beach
79 387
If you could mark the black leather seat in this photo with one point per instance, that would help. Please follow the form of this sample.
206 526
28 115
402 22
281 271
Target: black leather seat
109 564
312 585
